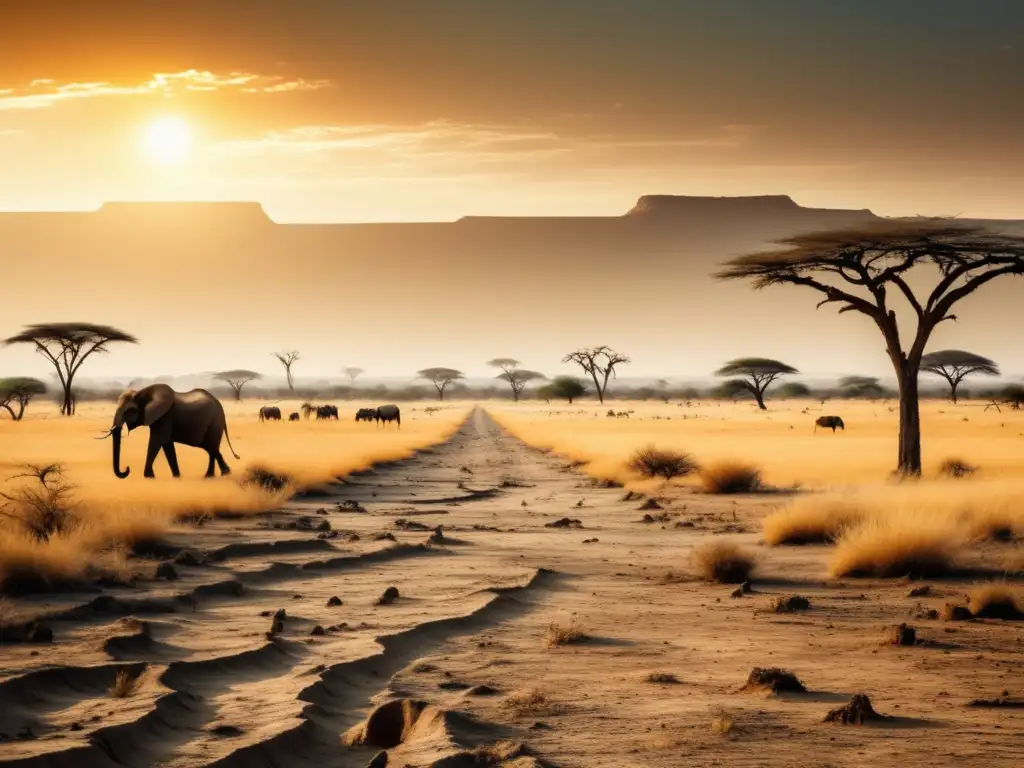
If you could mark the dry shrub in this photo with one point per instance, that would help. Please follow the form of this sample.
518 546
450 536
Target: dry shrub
267 480
531 702
812 521
910 544
651 462
956 468
731 477
565 634
43 503
722 722
663 678
125 684
996 601
773 679
723 562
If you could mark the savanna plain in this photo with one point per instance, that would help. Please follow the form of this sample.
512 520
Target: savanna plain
522 584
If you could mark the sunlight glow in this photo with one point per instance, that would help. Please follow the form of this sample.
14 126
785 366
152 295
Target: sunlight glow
167 140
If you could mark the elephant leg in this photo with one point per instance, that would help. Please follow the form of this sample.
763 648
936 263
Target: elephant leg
224 468
172 458
209 467
151 452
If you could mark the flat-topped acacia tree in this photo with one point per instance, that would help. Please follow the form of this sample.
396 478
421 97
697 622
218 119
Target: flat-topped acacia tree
755 374
860 269
67 346
517 378
440 378
955 365
237 379
599 363
20 391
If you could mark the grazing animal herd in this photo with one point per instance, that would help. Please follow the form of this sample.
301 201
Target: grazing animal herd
384 414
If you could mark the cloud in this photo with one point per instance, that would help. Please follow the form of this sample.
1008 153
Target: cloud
43 93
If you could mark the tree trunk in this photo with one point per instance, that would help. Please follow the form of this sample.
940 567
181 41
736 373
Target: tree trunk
238 393
66 408
952 390
910 424
759 396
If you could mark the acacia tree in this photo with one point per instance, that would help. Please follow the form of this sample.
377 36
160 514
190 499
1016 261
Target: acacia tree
954 365
563 388
237 379
872 261
288 358
67 346
516 377
861 387
353 374
756 375
19 390
440 378
599 363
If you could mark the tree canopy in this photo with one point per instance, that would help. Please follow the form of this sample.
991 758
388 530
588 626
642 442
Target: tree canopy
440 378
599 363
955 365
871 263
353 373
861 387
19 390
67 346
563 388
756 374
516 377
236 379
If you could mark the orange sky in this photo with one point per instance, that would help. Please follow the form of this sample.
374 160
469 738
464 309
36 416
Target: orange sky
337 111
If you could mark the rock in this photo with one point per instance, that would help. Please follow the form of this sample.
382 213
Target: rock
189 557
790 604
857 712
746 587
166 571
775 680
437 537
482 690
389 596
280 615
333 602
387 536
276 627
738 592
323 525
922 591
902 635
380 760
318 630
565 522
953 612
650 504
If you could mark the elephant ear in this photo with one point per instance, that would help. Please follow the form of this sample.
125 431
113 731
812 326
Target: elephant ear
159 404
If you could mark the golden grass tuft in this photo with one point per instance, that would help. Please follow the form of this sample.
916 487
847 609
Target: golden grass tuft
728 477
996 601
565 634
125 684
911 544
722 722
651 462
723 562
532 702
812 521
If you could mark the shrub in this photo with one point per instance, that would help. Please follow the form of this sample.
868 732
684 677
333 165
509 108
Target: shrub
125 684
565 634
652 462
731 477
956 468
265 479
723 562
44 507
811 521
914 545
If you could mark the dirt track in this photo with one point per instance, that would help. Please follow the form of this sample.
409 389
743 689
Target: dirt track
473 610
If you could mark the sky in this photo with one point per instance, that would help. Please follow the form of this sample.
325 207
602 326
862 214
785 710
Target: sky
326 110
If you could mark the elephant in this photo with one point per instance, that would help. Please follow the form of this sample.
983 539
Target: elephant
270 413
388 413
293 417
366 414
829 421
193 418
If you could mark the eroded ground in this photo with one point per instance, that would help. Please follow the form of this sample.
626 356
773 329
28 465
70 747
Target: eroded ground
466 640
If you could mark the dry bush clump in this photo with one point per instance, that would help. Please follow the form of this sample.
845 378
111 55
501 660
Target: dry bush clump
908 544
42 505
812 521
532 702
266 479
723 562
774 680
663 678
565 634
722 722
731 477
651 462
996 601
125 684
956 468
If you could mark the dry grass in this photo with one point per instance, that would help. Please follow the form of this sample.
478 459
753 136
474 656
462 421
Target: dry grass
662 678
918 545
565 634
109 517
651 462
731 477
722 722
812 521
723 562
956 468
996 600
125 684
531 702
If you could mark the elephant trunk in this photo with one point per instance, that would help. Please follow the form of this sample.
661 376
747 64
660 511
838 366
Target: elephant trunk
116 434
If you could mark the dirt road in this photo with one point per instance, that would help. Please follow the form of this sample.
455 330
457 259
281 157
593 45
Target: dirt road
465 642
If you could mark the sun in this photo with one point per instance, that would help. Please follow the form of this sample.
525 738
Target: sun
168 140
